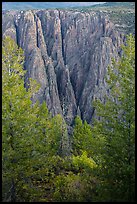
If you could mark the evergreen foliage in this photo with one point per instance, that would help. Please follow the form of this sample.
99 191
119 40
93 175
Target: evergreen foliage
31 137
38 164
117 127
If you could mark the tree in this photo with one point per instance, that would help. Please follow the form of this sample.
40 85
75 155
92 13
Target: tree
81 136
76 184
117 127
83 140
31 137
18 119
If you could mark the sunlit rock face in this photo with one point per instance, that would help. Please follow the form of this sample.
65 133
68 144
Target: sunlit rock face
68 53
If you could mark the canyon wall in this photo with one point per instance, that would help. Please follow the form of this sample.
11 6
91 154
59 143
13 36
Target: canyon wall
67 52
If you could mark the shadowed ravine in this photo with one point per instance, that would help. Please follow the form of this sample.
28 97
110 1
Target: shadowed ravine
67 52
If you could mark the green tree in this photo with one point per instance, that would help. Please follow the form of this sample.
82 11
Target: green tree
117 127
82 137
83 140
18 120
76 184
31 138
84 160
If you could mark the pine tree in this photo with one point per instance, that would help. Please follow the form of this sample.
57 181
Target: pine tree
18 117
33 141
117 127
83 140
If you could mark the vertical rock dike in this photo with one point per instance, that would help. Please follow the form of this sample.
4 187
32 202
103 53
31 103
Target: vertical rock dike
67 52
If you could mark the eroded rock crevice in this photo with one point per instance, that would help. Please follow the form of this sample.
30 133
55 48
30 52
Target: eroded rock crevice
67 52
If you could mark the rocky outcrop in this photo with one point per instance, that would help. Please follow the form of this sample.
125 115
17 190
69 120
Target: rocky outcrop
67 52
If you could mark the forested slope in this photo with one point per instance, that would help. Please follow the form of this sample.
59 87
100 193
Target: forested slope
68 105
40 162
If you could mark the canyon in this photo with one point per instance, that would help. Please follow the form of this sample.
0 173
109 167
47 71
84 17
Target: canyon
68 53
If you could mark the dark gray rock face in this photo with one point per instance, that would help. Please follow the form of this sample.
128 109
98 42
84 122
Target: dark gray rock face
67 53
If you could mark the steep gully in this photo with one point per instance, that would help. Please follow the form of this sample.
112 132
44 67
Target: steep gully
67 52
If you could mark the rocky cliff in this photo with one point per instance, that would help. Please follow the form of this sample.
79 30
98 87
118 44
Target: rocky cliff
67 52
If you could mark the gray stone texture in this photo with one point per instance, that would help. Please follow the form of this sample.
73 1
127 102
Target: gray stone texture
67 52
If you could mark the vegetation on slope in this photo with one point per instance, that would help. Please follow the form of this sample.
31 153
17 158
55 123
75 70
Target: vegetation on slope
39 163
122 14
